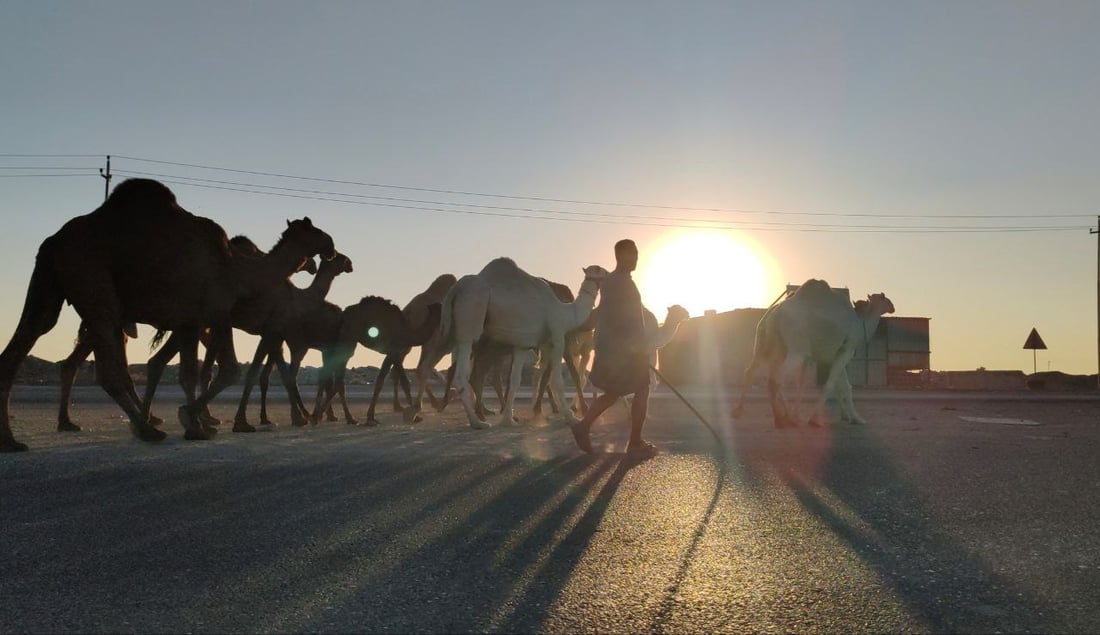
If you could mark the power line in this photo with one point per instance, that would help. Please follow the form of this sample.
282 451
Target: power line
545 199
752 226
389 202
20 176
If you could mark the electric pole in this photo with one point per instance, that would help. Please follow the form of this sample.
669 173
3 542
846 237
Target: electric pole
1097 232
106 178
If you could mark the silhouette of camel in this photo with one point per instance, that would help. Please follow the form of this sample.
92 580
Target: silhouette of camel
140 257
813 325
155 366
377 324
274 317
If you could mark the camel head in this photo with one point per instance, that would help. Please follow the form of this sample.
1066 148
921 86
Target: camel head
338 264
376 323
879 304
308 238
309 265
676 314
595 273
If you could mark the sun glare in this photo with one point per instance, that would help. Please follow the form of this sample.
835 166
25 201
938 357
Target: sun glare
700 270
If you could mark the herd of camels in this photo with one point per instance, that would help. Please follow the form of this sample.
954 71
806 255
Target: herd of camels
141 257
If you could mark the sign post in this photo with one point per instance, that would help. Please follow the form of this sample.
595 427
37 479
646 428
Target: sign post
1034 343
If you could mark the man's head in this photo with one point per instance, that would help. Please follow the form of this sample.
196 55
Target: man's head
626 255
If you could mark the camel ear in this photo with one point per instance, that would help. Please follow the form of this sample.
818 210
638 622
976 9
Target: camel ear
308 222
288 222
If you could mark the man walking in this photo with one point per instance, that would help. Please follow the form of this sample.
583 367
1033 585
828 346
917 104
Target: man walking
621 364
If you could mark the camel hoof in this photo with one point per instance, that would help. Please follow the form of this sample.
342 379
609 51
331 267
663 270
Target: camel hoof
370 423
67 426
299 421
150 434
205 418
264 421
352 421
11 445
196 435
411 415
155 421
243 426
478 424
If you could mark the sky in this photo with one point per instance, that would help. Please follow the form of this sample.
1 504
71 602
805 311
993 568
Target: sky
883 147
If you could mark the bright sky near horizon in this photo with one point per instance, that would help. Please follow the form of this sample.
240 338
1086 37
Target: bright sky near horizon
879 146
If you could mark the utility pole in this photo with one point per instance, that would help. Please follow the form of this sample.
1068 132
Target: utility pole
106 178
1097 232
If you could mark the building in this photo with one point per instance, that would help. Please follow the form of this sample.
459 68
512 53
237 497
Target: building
716 349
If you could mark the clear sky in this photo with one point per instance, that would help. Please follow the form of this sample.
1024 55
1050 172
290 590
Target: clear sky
804 124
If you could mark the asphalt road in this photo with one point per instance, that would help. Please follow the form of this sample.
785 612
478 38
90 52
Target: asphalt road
921 521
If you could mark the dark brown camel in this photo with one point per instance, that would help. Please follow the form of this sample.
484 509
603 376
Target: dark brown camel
140 257
83 348
379 325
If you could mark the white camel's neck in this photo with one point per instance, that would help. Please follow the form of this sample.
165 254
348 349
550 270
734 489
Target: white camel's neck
666 332
581 307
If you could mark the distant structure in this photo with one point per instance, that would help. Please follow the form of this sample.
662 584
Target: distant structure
716 348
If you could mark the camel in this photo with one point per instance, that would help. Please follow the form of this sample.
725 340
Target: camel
83 348
377 324
488 356
140 257
274 317
265 304
813 325
506 304
415 312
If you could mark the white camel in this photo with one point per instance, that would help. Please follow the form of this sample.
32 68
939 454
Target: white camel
813 325
507 305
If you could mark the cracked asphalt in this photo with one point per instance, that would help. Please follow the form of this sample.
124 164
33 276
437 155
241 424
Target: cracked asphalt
921 521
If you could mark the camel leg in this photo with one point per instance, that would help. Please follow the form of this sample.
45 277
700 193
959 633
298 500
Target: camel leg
507 412
746 383
575 375
154 369
429 357
462 367
40 312
188 413
69 368
844 392
265 382
778 379
110 354
557 386
299 416
838 369
240 420
387 363
229 370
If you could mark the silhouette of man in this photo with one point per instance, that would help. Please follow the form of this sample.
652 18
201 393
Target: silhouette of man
621 363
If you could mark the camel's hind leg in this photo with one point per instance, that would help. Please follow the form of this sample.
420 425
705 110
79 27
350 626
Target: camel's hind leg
40 312
108 345
69 368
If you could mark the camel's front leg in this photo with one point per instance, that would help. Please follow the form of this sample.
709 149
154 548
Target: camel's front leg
838 369
557 386
844 393
462 355
507 416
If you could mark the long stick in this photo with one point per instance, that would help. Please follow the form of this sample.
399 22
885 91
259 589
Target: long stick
688 404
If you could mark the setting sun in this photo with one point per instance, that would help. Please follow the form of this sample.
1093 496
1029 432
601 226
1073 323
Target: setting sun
703 269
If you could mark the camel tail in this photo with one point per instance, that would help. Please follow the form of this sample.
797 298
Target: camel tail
158 339
447 315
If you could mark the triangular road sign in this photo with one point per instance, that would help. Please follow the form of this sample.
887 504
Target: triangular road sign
1034 342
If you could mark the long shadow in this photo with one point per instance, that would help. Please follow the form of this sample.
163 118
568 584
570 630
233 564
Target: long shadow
925 567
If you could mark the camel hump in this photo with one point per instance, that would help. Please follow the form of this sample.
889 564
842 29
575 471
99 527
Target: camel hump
502 265
244 244
142 192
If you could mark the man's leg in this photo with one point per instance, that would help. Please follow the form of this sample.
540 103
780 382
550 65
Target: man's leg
582 428
638 411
